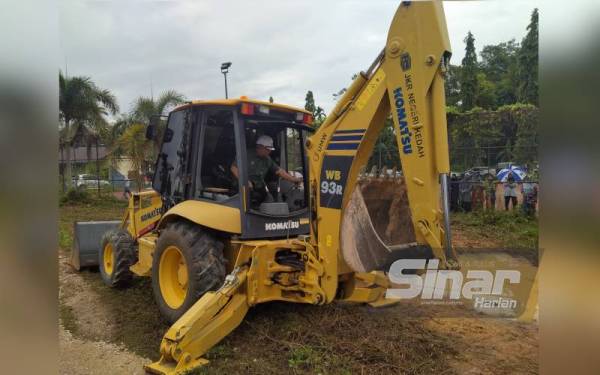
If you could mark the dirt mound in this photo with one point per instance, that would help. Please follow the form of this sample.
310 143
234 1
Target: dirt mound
387 203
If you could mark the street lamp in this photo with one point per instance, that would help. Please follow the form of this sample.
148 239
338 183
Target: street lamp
225 69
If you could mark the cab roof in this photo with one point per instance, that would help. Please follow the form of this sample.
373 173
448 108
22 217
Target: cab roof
243 99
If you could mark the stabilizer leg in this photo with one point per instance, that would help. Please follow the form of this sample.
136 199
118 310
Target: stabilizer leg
206 323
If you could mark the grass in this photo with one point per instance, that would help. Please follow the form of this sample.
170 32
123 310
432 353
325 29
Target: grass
305 357
511 231
89 208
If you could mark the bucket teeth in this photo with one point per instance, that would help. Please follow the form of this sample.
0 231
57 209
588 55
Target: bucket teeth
185 364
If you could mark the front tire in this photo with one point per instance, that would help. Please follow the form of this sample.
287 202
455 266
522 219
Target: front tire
187 263
117 254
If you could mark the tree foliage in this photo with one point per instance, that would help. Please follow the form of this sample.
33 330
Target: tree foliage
507 73
469 84
486 137
492 113
317 112
82 109
144 108
134 144
385 152
528 63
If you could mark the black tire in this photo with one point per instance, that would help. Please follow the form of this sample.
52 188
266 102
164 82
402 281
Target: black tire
204 260
124 257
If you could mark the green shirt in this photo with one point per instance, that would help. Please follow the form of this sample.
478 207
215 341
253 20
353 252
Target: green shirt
258 168
490 186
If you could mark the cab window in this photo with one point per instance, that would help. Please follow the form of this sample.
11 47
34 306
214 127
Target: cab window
217 155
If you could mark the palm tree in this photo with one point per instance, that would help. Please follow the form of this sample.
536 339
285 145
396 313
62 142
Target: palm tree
144 108
111 136
82 104
133 143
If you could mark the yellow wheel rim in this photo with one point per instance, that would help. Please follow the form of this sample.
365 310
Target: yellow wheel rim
173 277
109 259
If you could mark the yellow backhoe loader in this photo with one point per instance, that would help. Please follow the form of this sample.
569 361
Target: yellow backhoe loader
225 228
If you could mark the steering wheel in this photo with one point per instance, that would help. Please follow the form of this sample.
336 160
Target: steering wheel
223 178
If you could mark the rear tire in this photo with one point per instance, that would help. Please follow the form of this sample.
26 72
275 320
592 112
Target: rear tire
187 263
117 254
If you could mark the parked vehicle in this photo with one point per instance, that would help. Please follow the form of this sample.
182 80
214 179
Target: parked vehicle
482 172
90 181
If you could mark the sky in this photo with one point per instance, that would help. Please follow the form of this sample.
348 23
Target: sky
277 48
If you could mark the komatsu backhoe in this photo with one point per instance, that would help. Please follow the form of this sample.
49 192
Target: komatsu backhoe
214 247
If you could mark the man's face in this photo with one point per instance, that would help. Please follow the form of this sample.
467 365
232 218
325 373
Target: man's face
262 151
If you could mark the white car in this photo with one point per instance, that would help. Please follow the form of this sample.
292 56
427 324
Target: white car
89 181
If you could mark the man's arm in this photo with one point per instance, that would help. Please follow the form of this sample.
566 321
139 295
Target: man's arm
236 173
286 176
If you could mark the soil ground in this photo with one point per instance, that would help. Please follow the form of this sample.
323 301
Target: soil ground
104 330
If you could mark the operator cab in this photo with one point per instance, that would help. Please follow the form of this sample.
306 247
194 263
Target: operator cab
209 153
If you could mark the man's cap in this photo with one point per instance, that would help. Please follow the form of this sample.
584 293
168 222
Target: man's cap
266 141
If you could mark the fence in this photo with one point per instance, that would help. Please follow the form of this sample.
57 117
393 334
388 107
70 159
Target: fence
98 174
469 165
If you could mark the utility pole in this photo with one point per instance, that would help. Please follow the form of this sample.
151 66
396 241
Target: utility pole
225 69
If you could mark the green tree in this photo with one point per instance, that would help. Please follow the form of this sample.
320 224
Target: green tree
310 102
468 77
111 138
385 152
500 64
133 143
526 144
81 104
144 108
486 93
528 63
317 112
271 99
507 154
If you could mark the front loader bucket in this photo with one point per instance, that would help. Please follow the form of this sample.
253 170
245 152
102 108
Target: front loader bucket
87 241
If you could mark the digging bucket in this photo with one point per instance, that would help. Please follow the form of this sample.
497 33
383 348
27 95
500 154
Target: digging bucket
368 246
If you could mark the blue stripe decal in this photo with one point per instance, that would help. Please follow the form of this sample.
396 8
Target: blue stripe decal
350 131
343 146
346 138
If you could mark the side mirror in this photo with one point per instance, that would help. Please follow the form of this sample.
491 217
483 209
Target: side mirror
150 132
152 126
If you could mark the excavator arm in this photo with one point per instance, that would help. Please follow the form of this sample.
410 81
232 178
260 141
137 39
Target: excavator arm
405 81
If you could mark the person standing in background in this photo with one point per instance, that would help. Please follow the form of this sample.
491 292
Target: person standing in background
490 192
454 193
530 194
466 198
127 189
510 192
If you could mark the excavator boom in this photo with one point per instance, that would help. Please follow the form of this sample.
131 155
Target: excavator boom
407 81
